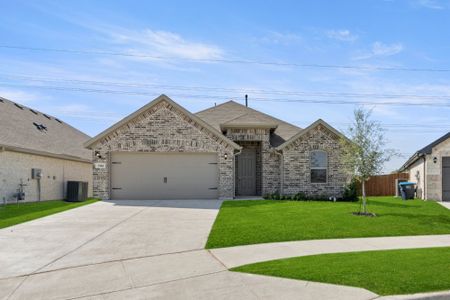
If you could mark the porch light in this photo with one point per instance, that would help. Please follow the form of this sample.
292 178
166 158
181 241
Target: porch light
225 156
435 159
97 154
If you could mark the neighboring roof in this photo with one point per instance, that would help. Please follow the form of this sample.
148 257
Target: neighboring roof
428 149
146 107
19 131
232 113
309 128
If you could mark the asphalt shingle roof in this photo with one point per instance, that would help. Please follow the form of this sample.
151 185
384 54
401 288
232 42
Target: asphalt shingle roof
26 128
232 113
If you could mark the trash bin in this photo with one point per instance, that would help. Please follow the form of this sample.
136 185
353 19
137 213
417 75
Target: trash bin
407 190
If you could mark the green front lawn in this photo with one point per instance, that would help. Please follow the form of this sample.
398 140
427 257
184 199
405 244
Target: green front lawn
264 221
13 214
383 272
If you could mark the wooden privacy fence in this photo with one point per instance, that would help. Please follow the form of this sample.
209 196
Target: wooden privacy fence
382 185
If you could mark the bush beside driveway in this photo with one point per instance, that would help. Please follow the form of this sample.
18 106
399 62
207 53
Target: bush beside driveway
265 221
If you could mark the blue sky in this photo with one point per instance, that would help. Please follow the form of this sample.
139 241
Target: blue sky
199 53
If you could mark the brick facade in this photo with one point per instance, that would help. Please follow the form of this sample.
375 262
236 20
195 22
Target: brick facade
297 177
162 128
165 127
269 162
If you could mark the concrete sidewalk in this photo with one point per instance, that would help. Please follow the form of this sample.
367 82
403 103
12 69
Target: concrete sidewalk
242 255
445 204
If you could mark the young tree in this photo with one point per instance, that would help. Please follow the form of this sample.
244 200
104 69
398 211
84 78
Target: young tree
364 153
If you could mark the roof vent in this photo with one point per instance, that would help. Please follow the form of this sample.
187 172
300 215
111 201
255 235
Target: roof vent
40 127
1 100
33 111
58 120
47 116
19 106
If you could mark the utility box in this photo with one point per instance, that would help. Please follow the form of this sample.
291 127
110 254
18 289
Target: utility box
77 191
36 173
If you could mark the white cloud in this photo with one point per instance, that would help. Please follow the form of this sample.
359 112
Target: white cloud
165 44
432 4
283 38
380 49
81 111
342 35
22 97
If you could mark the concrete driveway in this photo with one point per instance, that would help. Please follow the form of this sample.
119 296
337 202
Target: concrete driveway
134 250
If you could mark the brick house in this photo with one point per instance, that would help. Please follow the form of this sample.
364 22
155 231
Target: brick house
32 140
162 151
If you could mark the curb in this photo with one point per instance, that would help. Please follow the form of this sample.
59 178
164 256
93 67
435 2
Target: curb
445 295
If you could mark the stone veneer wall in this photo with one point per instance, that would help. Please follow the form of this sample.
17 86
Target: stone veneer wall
163 128
434 170
270 173
296 156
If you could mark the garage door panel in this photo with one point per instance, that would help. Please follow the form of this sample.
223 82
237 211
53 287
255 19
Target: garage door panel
164 175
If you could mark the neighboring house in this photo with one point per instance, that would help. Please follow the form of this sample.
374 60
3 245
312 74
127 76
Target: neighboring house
162 151
430 169
33 140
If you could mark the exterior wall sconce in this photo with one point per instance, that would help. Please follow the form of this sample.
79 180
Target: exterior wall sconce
97 154
435 159
225 156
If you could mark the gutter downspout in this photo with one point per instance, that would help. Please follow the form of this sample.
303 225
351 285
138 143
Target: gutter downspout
280 154
234 171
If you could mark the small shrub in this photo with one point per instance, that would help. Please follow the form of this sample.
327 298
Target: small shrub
276 196
300 196
350 192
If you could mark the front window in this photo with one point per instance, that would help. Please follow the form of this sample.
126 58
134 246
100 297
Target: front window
319 165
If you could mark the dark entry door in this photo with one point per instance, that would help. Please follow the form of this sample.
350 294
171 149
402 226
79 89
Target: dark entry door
246 172
446 179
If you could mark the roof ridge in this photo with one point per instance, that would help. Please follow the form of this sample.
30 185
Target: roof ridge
251 109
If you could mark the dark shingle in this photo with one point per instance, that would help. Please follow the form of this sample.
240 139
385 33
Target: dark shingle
19 130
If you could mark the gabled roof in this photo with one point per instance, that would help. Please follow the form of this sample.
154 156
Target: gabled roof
428 149
27 130
232 113
146 107
248 120
309 128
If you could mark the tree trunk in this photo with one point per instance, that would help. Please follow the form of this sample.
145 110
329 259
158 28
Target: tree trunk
364 203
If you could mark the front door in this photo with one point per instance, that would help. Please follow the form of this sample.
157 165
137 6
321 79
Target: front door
446 179
246 172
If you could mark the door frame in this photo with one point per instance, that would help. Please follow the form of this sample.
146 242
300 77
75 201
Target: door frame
236 175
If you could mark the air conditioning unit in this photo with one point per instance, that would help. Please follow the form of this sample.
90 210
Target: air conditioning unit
77 191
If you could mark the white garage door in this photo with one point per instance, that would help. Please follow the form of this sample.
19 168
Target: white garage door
164 175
